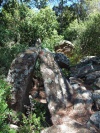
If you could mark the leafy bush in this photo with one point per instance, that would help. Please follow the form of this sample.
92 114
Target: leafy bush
4 111
90 38
7 54
45 26
74 30
23 25
16 23
86 35
51 41
35 121
31 124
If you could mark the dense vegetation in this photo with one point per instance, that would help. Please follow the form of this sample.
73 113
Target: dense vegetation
20 25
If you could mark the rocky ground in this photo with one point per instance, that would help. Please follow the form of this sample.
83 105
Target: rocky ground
84 111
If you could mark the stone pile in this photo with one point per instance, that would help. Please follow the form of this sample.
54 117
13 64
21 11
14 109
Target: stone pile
74 103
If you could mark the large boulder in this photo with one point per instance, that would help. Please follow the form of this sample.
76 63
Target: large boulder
65 47
88 69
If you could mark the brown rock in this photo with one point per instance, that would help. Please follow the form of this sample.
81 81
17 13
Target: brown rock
64 47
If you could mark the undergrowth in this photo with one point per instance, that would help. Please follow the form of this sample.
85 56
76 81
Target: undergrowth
32 121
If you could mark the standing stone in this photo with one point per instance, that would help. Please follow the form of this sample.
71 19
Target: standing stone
58 95
20 78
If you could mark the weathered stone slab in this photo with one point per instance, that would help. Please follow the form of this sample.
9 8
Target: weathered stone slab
20 77
58 95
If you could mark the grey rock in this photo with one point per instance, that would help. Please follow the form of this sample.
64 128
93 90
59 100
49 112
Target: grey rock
20 78
97 82
57 91
84 70
96 98
91 77
96 94
86 66
95 119
89 59
62 60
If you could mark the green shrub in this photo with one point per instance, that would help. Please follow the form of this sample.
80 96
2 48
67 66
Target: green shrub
51 41
35 121
4 91
7 54
86 35
90 38
23 25
74 30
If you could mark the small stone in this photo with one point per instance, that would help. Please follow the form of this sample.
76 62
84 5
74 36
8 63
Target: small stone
75 86
12 126
22 55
